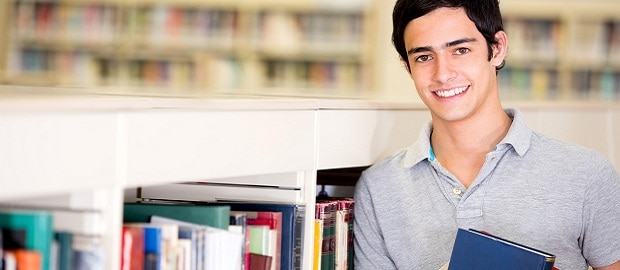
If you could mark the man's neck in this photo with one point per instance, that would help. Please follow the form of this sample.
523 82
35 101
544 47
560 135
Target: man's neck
461 146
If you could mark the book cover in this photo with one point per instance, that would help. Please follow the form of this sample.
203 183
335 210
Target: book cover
474 250
292 227
88 252
152 248
274 221
318 241
260 262
208 215
8 260
343 235
132 248
259 239
65 250
192 235
38 228
240 219
27 259
216 248
184 249
326 212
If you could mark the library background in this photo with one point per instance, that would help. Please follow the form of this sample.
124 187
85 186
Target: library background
241 127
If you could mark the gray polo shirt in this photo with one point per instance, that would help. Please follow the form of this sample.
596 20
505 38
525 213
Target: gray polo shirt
550 195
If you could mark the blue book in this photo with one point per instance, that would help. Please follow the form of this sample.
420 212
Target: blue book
475 250
152 248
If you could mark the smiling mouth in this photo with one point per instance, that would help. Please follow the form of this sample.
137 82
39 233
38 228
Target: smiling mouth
451 92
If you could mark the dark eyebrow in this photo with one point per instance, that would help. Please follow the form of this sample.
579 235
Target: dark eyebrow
449 44
460 41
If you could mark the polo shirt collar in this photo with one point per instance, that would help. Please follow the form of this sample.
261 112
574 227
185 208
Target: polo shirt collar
519 137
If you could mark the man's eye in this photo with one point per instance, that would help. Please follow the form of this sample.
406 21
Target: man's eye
462 51
423 58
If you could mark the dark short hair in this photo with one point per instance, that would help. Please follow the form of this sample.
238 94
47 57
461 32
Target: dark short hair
484 13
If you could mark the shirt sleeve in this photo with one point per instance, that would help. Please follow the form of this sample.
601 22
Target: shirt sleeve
601 231
369 248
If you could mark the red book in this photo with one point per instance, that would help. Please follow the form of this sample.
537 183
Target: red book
132 250
260 262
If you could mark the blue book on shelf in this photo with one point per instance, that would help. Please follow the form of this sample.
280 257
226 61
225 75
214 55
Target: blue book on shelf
474 250
152 248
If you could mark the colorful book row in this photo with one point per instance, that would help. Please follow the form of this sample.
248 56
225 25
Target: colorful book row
544 84
245 236
219 73
333 234
181 27
101 24
58 239
284 30
542 40
313 74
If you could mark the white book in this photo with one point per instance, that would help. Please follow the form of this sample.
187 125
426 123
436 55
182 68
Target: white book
221 248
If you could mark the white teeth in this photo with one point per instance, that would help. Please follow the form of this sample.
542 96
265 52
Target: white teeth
452 92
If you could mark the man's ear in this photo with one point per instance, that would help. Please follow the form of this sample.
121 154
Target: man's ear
405 64
500 49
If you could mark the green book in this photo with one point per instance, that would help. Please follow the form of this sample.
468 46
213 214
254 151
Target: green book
259 239
217 216
38 228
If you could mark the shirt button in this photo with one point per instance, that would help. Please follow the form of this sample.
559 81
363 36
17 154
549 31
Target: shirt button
456 191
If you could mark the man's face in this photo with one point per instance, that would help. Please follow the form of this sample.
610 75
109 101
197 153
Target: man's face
449 64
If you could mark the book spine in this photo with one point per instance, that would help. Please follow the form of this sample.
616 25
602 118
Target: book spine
152 248
324 211
298 230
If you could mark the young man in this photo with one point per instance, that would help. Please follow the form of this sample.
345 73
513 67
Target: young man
477 165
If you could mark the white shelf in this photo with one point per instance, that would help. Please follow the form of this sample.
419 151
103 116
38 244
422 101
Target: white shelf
247 148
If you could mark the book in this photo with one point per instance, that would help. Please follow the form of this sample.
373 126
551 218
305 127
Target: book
28 259
208 215
260 262
217 248
8 260
239 219
326 212
292 227
65 250
474 249
274 221
152 248
259 239
132 248
88 252
191 232
38 229
343 234
184 249
318 241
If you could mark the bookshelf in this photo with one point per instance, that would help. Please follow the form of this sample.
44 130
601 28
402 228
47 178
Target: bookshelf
562 51
88 154
190 47
146 134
